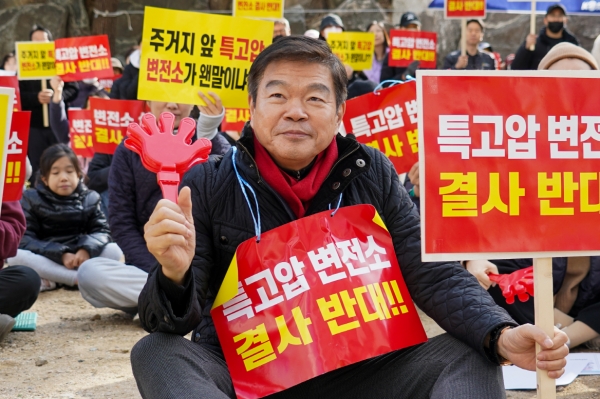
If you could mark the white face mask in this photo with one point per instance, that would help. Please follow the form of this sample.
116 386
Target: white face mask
331 29
90 81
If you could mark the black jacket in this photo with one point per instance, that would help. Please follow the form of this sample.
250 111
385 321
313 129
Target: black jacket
57 224
527 59
29 90
389 72
480 60
126 87
97 174
445 291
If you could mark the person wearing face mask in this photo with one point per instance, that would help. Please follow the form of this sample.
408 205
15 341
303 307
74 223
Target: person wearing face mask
331 23
536 47
133 192
408 21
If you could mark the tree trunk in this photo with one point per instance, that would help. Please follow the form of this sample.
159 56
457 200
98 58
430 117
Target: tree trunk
105 25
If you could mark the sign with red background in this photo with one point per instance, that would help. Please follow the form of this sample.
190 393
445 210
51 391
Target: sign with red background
110 120
505 174
79 58
12 82
312 296
16 159
387 120
464 9
80 129
408 46
235 119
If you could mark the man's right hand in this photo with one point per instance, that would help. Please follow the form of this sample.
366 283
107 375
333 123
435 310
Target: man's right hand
171 237
530 41
69 260
462 62
45 96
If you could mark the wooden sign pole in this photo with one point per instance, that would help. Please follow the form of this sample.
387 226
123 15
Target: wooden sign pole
544 319
45 106
463 36
532 21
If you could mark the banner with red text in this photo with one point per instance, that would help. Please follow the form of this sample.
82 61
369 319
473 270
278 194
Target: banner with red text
110 121
16 156
12 82
80 129
79 58
387 120
235 119
408 46
506 179
454 9
314 295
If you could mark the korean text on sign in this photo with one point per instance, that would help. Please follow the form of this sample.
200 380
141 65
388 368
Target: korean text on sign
16 159
6 110
35 60
186 52
79 58
330 289
465 8
387 121
235 119
408 46
353 48
110 120
258 8
81 132
526 175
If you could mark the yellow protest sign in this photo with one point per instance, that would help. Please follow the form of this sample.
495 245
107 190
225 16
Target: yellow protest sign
271 9
353 48
35 60
186 52
7 96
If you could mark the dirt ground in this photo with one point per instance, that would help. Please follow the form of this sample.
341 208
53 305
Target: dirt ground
87 354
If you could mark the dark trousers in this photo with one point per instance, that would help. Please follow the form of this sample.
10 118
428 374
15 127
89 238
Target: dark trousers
39 140
170 366
19 289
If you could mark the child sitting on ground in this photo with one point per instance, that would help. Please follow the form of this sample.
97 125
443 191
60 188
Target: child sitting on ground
65 225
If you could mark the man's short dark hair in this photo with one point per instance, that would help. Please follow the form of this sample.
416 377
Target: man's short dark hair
300 49
39 28
478 22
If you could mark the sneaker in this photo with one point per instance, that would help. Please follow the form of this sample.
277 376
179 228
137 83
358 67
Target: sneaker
593 344
47 285
6 324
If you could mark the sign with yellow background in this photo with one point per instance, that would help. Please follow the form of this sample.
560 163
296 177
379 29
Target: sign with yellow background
270 9
353 48
35 60
186 52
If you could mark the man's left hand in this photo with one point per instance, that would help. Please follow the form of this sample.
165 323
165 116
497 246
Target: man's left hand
518 346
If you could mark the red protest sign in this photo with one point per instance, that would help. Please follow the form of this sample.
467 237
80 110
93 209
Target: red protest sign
387 120
16 159
235 119
506 179
107 83
464 9
80 128
408 46
79 58
12 82
110 121
314 295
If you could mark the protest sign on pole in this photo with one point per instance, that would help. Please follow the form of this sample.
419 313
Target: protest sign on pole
266 9
464 10
81 132
6 110
408 46
13 82
235 119
354 49
186 52
110 121
387 120
16 158
79 58
517 179
35 60
314 295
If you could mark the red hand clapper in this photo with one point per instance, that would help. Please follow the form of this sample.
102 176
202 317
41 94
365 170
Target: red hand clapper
164 153
519 284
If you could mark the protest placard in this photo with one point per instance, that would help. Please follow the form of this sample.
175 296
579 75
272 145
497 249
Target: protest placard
6 110
408 46
235 119
12 82
314 295
354 49
186 52
387 120
16 156
454 9
107 83
35 60
81 132
79 58
110 121
268 9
